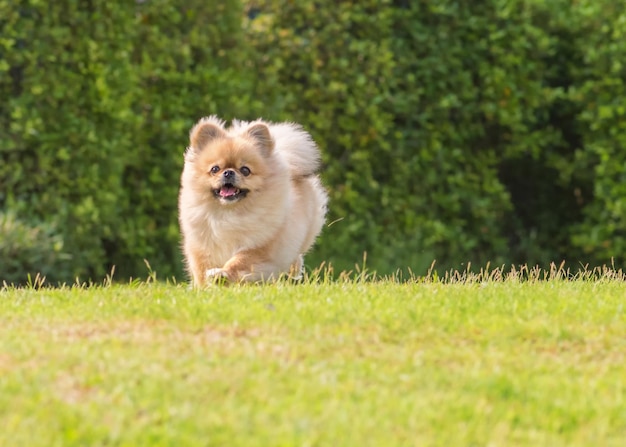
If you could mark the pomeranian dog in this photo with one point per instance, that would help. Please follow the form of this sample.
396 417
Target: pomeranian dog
250 204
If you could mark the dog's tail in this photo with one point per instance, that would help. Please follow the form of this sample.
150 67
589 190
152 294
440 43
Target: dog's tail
297 147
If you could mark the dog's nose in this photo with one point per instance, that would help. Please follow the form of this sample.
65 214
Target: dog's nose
229 173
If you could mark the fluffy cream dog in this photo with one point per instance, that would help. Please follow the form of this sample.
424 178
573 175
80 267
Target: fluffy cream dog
250 204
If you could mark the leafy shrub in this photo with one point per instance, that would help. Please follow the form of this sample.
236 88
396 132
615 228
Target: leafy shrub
67 120
487 131
601 92
30 249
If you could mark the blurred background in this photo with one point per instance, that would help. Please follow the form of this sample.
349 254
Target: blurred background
452 131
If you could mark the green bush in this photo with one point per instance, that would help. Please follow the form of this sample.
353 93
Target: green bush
30 249
601 92
67 119
487 131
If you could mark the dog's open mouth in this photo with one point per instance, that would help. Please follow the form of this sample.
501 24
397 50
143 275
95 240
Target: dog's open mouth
229 192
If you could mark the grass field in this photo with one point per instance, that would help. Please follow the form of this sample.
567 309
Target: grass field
337 363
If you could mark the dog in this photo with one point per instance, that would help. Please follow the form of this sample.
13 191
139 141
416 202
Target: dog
251 203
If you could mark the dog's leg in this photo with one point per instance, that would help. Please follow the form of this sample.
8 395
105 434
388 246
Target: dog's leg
251 266
297 268
196 267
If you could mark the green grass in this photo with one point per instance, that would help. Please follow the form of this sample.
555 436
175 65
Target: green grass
346 363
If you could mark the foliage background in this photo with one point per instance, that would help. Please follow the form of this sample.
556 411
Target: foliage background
488 131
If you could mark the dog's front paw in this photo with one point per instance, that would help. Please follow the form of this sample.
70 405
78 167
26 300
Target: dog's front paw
215 276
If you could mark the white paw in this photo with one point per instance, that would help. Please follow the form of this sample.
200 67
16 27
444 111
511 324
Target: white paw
213 274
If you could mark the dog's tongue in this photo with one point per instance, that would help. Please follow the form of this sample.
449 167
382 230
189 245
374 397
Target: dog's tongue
228 191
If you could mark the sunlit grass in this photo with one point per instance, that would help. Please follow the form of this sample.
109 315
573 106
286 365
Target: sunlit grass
458 359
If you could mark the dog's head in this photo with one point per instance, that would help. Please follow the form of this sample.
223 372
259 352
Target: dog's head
230 167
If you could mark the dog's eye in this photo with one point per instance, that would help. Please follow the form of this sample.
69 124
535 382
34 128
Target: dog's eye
245 171
215 169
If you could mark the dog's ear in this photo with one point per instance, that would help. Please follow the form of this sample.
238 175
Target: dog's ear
260 133
205 131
